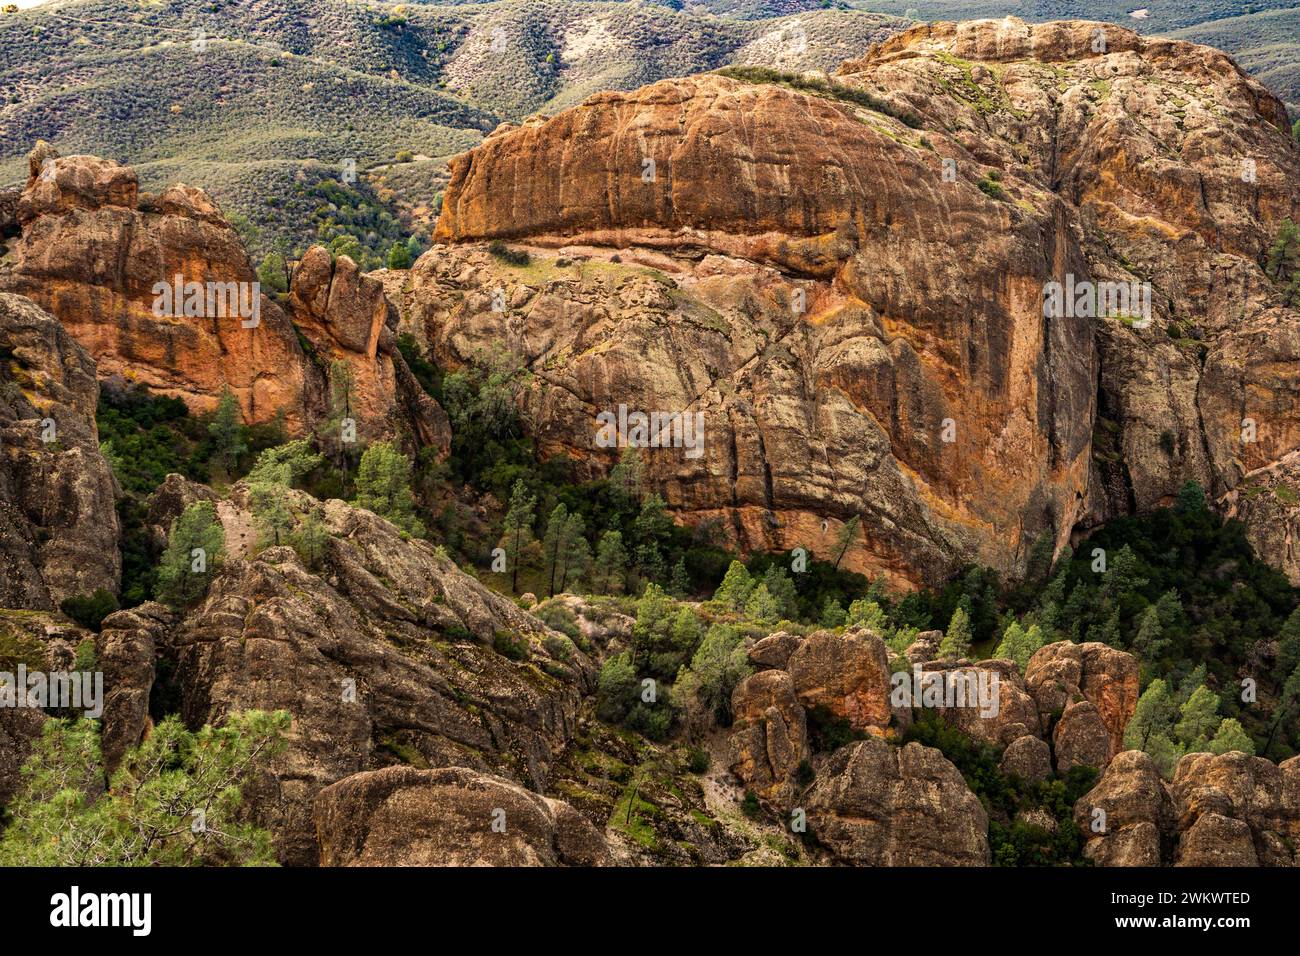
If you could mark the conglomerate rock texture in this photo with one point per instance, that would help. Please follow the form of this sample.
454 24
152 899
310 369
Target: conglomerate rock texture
58 521
855 301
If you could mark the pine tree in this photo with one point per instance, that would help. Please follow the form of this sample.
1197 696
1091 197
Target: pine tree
833 613
384 487
611 564
867 613
735 588
1198 720
575 559
272 274
399 256
269 503
1149 643
844 540
196 545
310 540
627 476
1231 736
517 532
956 642
1288 647
331 429
680 585
228 432
1019 644
1153 717
781 587
285 464
554 545
1287 699
762 607
1284 255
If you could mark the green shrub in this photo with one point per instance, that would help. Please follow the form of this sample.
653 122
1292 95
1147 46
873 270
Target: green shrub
89 610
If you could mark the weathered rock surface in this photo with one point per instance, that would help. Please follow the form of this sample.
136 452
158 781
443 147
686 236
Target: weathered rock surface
401 816
1219 810
1080 738
1128 817
125 650
1235 810
874 804
769 736
774 650
58 520
346 317
1007 714
921 298
93 249
847 675
384 655
1062 674
1027 757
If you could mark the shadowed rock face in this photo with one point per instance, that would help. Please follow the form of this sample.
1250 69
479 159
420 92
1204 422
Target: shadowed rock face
921 298
58 521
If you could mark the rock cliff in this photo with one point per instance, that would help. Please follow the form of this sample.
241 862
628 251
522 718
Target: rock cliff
847 279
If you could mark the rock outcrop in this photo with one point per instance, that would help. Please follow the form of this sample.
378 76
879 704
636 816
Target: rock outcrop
1224 810
874 804
384 655
847 677
108 262
346 317
1062 675
400 816
769 738
1127 817
854 301
58 517
125 651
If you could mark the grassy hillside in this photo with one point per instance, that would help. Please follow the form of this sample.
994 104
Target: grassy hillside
259 101
1265 43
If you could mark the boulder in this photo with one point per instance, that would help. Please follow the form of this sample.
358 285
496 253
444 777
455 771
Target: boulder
400 816
1028 758
1080 738
847 676
1061 674
769 735
874 804
1237 810
1128 817
774 650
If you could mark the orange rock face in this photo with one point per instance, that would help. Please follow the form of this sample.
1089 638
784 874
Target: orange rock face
92 251
856 303
105 260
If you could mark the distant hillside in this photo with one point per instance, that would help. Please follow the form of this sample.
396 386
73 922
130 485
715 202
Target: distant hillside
1265 43
262 101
